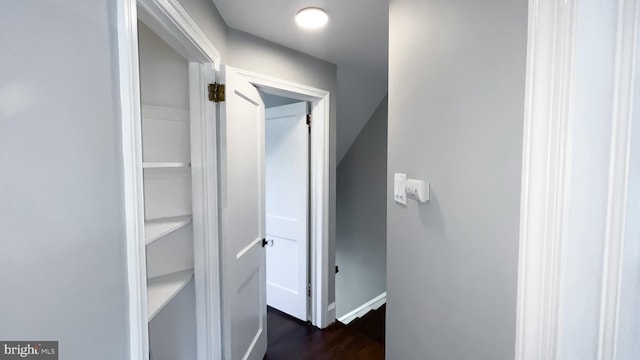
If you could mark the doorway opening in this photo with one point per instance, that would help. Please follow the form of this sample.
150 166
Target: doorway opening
242 236
287 204
319 312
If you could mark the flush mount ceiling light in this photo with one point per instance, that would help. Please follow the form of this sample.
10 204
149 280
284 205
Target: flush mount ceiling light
311 18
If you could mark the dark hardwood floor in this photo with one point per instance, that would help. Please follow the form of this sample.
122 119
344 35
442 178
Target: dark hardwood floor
291 339
372 324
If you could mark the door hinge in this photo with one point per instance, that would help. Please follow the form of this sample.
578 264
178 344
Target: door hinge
216 92
308 119
309 290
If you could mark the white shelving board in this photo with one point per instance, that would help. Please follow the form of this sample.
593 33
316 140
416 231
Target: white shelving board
156 229
164 165
163 289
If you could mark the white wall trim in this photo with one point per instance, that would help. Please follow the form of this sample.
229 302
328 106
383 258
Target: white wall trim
282 87
545 176
622 115
174 25
546 181
361 310
204 174
331 311
132 178
319 204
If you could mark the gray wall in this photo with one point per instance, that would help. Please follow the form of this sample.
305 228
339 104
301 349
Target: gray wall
62 258
172 332
209 20
360 91
456 95
361 219
275 100
164 74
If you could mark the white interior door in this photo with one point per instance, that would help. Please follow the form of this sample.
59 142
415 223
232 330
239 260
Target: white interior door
287 179
242 213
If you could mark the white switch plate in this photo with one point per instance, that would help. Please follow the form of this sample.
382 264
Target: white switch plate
399 194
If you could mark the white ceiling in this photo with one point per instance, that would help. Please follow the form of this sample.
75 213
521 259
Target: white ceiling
355 39
357 32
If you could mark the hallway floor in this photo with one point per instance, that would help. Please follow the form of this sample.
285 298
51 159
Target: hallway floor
291 339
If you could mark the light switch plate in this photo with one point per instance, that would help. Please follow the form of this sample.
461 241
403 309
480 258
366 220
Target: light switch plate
399 194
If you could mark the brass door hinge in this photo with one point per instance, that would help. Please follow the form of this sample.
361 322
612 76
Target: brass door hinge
216 92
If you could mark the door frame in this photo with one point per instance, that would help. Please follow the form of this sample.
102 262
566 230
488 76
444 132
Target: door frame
549 252
322 314
173 25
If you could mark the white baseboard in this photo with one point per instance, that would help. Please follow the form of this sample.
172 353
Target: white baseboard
372 304
331 312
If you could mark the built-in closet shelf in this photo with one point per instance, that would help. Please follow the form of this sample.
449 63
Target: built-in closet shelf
162 289
164 165
156 229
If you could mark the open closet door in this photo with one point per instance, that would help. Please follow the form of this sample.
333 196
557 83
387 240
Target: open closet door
287 208
242 213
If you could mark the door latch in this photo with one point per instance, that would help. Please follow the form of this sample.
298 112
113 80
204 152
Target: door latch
266 242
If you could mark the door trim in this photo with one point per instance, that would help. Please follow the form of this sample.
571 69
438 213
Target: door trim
174 26
321 315
546 167
622 206
204 172
548 254
171 22
131 128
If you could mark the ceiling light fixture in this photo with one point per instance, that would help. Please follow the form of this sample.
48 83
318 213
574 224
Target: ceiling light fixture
311 18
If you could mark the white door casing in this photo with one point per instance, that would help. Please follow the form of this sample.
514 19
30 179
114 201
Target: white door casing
321 312
287 199
578 264
174 26
242 214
